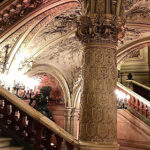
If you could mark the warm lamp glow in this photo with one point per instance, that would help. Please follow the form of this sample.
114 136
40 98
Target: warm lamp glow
121 96
23 80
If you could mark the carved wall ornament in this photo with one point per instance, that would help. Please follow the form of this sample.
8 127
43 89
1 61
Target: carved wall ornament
139 14
17 10
26 65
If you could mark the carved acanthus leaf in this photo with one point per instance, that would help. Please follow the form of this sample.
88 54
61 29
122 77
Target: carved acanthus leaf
101 20
98 28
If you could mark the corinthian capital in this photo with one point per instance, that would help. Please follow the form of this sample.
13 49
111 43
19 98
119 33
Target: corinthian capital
101 19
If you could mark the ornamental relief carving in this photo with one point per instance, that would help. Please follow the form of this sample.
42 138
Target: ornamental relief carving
97 114
16 11
99 58
137 11
91 129
91 100
98 99
101 20
102 130
90 30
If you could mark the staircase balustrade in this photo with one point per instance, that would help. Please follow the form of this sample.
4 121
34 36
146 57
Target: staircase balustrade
32 126
139 88
135 101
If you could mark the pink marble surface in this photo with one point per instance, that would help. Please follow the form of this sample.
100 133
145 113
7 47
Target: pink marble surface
132 133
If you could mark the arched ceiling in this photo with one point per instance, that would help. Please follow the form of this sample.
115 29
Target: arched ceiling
137 30
43 32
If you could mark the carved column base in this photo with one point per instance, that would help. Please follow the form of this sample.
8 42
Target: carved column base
92 146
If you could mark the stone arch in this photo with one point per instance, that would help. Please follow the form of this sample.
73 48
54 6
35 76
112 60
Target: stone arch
50 69
126 50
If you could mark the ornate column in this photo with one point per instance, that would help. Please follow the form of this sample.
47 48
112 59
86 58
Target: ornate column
99 29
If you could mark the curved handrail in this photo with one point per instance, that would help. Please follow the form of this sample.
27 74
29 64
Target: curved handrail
133 94
38 117
139 84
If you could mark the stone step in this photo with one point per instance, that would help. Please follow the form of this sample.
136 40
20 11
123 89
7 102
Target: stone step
4 142
11 148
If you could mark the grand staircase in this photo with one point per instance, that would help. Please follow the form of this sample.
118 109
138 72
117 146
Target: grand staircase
133 120
43 134
31 126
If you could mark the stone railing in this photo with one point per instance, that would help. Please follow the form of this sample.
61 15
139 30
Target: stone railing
32 126
135 101
139 88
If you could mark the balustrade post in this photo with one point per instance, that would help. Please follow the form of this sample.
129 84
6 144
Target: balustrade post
59 141
69 146
142 108
129 101
138 105
146 111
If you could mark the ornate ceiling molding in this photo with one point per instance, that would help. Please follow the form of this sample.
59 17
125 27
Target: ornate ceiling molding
137 11
9 26
38 26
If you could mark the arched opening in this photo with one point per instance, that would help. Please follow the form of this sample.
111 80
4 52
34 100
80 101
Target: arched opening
136 62
56 103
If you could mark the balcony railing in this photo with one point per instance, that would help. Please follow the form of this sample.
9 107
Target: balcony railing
32 126
135 101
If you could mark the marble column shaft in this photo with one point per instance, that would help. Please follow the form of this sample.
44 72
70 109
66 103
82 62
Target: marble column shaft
98 102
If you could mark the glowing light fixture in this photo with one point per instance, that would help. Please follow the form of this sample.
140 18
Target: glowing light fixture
121 95
23 80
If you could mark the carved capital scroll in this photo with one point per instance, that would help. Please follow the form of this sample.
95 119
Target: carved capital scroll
101 19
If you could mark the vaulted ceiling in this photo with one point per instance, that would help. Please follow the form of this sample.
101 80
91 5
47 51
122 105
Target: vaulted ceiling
43 32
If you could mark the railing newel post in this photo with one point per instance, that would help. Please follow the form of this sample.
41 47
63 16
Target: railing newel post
69 146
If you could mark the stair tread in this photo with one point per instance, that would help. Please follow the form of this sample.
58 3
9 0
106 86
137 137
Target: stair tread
5 139
11 148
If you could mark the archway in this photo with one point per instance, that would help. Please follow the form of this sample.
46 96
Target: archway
50 69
